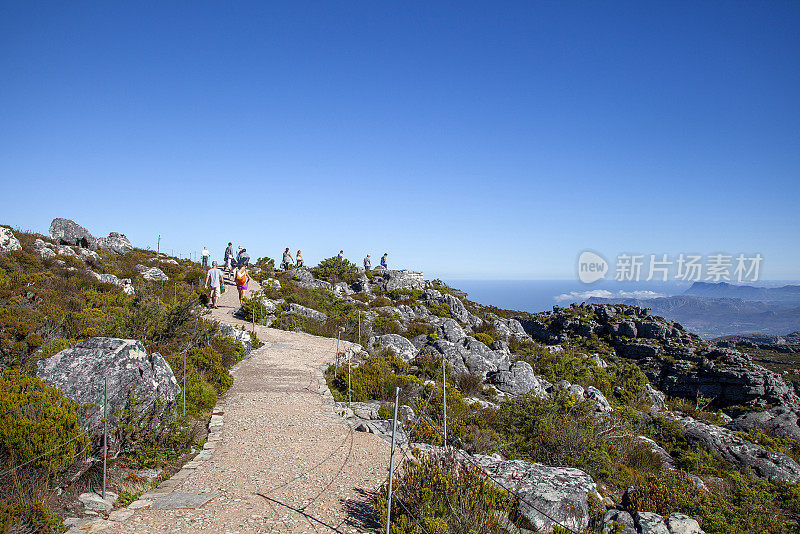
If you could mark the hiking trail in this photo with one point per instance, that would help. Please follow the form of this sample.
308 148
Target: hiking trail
284 462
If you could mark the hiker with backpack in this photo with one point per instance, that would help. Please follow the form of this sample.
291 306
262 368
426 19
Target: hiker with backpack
228 257
241 277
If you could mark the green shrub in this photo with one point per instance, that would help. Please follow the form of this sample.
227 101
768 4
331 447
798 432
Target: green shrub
335 270
28 516
483 338
384 325
152 438
376 378
50 423
439 308
445 496
558 430
200 395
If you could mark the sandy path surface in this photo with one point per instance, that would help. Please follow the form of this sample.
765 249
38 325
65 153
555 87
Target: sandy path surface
286 462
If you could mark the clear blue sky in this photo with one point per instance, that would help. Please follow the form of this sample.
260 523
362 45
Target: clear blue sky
476 140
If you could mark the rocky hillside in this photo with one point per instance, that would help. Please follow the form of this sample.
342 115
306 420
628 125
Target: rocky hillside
637 418
80 314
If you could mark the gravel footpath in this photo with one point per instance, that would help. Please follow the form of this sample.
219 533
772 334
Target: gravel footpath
286 462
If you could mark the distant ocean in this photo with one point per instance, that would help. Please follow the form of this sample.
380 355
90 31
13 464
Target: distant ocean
542 295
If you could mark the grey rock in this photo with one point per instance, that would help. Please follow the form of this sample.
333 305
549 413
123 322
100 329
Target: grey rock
600 362
237 334
308 312
116 243
657 398
67 232
400 345
95 503
432 294
503 331
153 274
517 331
451 331
79 372
518 380
650 523
419 341
729 378
124 283
457 309
683 524
273 283
596 396
744 455
621 518
780 421
577 391
64 250
302 274
85 255
271 306
44 249
8 242
561 492
403 280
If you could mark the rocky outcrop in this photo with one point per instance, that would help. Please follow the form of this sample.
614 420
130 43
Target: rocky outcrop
308 312
68 232
153 274
747 457
403 280
781 422
44 250
8 242
620 521
562 493
518 380
469 355
116 243
80 371
727 377
237 334
400 345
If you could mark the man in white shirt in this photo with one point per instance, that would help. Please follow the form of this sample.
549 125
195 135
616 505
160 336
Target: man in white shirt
205 254
214 275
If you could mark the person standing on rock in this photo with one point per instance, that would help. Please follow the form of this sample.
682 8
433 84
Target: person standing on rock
241 277
341 254
299 259
205 254
214 275
383 260
228 257
367 263
287 259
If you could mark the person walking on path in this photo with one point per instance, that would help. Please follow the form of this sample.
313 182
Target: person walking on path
299 259
228 257
383 260
204 255
241 277
367 263
244 257
341 254
287 259
214 275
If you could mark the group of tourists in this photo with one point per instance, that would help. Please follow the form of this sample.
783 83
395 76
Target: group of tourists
368 261
235 265
287 260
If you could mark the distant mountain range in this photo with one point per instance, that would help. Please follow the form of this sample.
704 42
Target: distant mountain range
786 294
721 309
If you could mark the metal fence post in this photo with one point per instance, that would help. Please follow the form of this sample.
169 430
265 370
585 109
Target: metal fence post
336 365
349 389
359 328
105 433
184 383
444 399
391 461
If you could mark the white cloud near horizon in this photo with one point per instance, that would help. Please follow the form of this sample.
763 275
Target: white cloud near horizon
580 296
